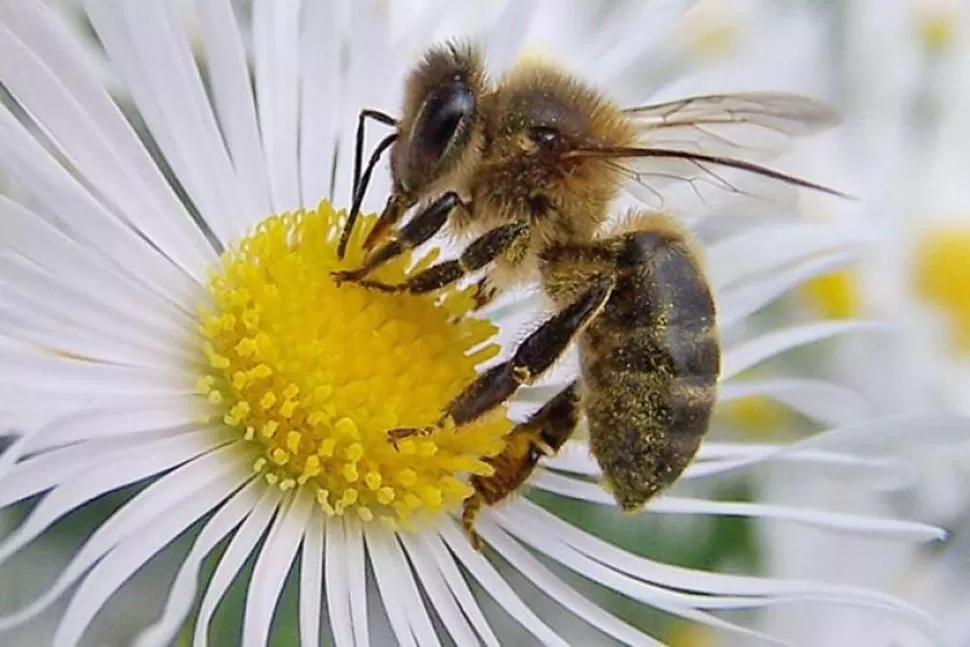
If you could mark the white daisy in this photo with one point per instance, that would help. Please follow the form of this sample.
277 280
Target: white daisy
136 353
900 71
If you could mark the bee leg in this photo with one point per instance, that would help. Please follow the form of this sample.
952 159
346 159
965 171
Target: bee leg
543 434
360 184
533 357
482 251
398 434
362 116
416 232
485 293
469 513
555 422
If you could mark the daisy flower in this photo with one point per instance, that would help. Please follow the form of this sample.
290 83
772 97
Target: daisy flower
169 331
901 79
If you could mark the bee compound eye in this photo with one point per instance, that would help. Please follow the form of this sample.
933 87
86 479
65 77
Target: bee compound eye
441 117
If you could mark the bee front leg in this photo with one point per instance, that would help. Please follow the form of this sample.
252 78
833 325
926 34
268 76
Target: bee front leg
482 251
533 357
416 232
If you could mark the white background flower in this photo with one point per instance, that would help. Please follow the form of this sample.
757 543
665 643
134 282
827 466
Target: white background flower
102 261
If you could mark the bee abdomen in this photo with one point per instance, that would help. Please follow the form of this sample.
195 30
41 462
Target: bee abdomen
651 363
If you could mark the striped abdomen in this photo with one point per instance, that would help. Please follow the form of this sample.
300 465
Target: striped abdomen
650 363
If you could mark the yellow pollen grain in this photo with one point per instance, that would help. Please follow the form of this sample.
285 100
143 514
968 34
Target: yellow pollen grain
385 495
313 375
941 276
373 480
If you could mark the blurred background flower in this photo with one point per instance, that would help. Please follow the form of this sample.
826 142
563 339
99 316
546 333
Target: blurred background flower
900 72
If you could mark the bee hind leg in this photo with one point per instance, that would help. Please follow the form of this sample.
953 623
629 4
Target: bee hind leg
543 434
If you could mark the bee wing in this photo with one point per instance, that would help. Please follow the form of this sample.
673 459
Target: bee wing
753 125
692 154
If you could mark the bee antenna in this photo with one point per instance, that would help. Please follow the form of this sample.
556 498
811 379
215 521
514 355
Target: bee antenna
361 188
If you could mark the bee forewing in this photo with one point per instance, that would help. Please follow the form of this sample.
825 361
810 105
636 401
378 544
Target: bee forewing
692 189
700 154
753 126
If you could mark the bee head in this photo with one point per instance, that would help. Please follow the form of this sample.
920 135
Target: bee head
439 119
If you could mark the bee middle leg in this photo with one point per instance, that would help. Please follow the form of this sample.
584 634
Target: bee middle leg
482 251
533 357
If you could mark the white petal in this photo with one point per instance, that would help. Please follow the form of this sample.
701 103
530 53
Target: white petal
50 80
637 41
555 588
69 206
44 313
434 546
718 458
361 88
37 406
81 270
184 588
739 301
321 99
276 53
504 39
764 250
356 569
544 531
887 436
392 583
152 52
496 586
131 554
669 575
129 419
8 465
847 523
126 467
131 517
311 582
225 57
273 565
685 605
826 402
848 467
336 581
44 471
420 30
418 617
52 373
434 585
122 41
240 547
750 353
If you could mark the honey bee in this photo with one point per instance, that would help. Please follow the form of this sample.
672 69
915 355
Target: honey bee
529 166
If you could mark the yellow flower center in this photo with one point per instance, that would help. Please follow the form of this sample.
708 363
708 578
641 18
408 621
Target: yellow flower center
942 278
835 295
314 374
937 24
756 416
